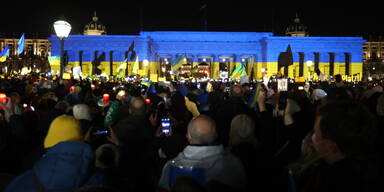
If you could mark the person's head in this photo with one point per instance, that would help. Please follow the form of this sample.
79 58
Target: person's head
61 106
63 128
242 130
201 130
82 111
236 91
318 94
107 156
131 129
137 106
343 129
338 78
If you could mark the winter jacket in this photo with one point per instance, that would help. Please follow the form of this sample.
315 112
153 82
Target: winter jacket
216 163
65 167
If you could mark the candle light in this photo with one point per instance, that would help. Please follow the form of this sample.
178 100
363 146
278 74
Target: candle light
105 98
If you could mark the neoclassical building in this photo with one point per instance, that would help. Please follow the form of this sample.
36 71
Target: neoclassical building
216 52
40 47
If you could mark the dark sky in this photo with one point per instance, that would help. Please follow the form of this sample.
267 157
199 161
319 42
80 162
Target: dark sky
323 18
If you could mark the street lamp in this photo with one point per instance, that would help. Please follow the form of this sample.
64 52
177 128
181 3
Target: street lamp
145 62
62 29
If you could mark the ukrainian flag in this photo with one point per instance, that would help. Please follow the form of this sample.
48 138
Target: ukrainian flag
176 64
20 45
4 54
54 60
135 67
121 69
239 72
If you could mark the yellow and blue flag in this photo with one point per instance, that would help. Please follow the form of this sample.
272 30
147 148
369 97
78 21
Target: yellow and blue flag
121 69
176 64
239 72
20 45
4 54
54 60
135 67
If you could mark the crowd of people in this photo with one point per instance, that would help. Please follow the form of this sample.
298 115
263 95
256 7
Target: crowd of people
90 135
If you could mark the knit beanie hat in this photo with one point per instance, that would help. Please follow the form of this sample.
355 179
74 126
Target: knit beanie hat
242 130
82 111
318 94
63 128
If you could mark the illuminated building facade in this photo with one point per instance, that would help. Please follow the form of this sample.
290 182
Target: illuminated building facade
214 54
40 47
373 58
221 51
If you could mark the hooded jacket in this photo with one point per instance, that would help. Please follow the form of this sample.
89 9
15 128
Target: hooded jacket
65 167
218 165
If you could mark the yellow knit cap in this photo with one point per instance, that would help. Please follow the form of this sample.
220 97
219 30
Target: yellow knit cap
63 128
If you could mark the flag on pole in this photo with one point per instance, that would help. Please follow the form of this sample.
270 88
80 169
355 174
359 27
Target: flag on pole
135 67
20 45
4 54
131 50
119 71
239 72
176 64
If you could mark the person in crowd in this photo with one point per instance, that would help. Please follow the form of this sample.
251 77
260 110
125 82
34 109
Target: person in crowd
82 113
66 165
339 81
204 155
111 115
136 171
343 136
233 106
243 144
179 113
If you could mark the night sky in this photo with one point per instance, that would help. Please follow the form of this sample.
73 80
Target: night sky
323 18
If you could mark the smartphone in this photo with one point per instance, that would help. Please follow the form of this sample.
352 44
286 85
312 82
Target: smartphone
100 132
166 125
282 85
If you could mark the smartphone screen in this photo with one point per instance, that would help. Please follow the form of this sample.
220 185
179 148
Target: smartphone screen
100 132
166 124
282 85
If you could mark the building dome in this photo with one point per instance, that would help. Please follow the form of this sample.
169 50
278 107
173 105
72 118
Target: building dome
95 27
296 29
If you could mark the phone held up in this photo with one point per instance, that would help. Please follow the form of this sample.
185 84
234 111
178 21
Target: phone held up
166 125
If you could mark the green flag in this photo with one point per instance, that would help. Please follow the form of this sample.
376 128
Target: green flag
239 72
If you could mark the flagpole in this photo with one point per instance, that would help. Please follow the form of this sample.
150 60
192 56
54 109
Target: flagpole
205 18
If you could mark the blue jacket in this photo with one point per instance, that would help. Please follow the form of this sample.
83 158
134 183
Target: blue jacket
65 167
